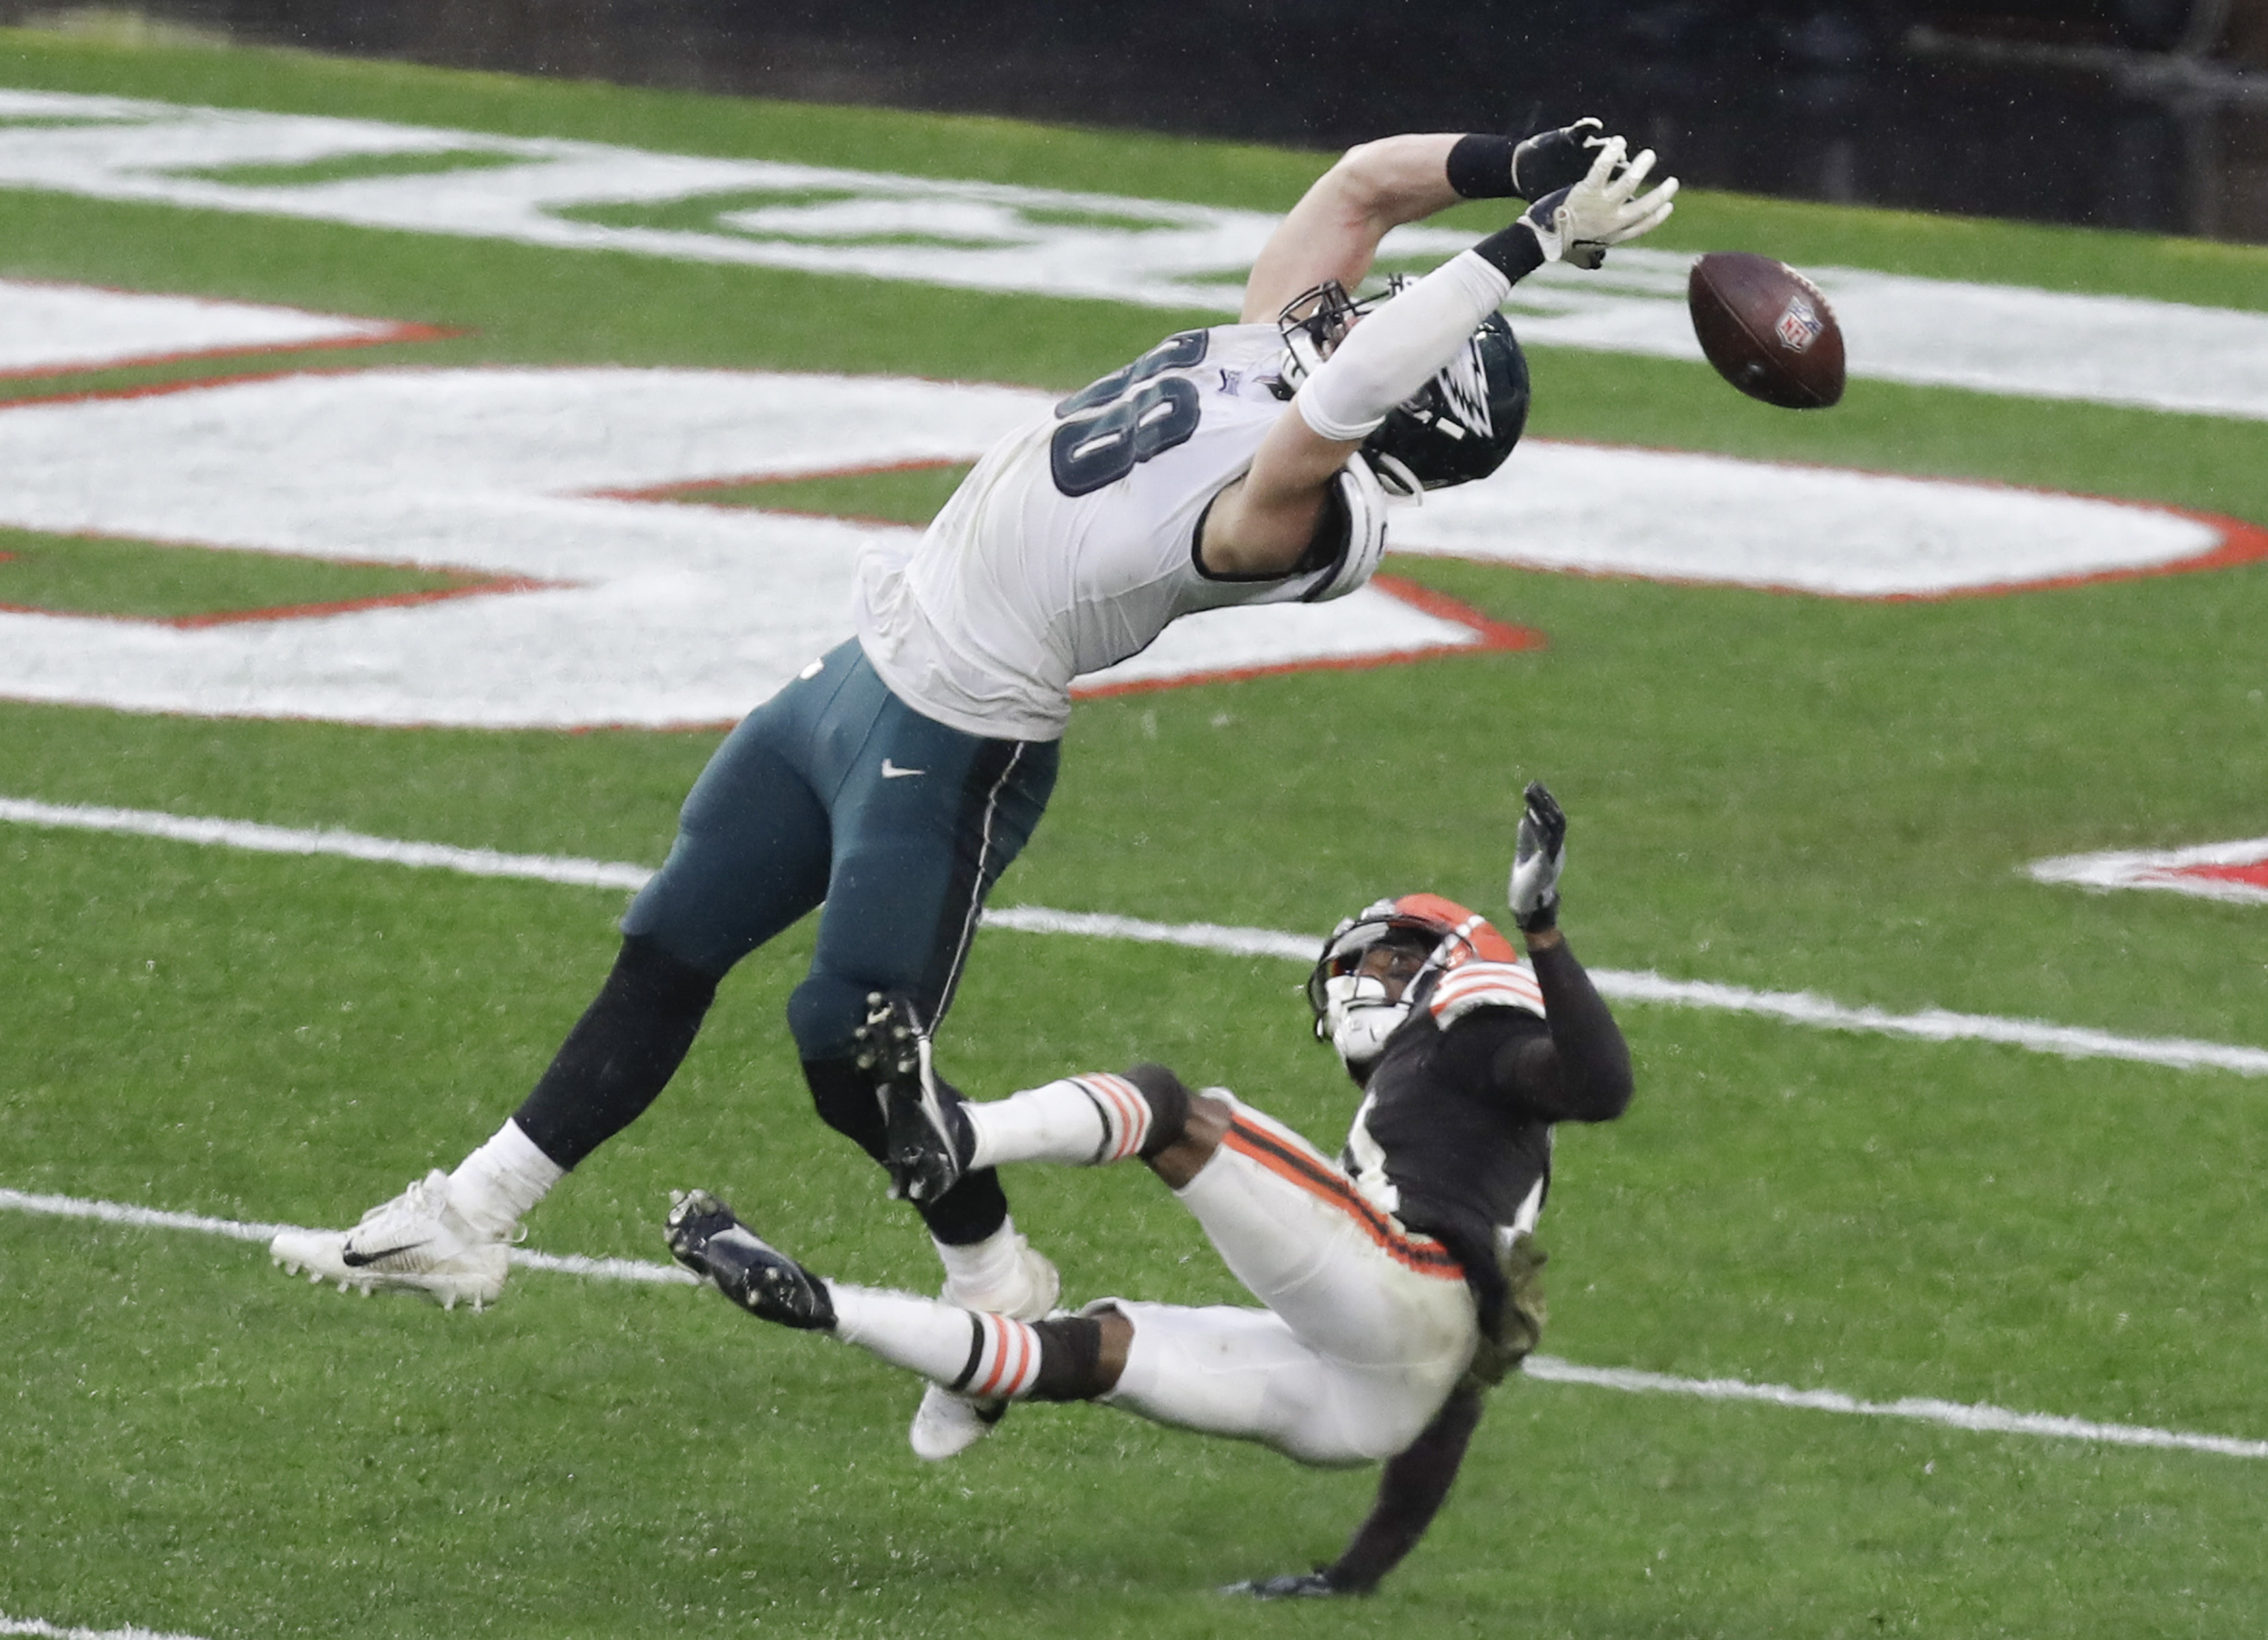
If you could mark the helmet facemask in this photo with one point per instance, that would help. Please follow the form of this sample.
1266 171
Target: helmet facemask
1312 324
1355 1010
1358 1017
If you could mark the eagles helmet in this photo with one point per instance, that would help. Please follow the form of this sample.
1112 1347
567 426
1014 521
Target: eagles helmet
1459 427
1352 1011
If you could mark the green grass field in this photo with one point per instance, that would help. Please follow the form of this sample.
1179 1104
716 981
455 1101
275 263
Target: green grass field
1769 791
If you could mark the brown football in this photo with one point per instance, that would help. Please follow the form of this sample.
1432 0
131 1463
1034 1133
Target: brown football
1767 329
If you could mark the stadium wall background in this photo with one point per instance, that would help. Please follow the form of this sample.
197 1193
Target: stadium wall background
2148 114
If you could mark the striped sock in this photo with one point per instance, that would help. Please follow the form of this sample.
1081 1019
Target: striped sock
984 1356
1082 1122
1003 1361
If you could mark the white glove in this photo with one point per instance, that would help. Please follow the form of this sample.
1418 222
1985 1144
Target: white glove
1537 859
1577 223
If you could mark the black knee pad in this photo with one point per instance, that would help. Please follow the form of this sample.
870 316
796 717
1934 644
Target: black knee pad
843 1095
1071 1356
844 1098
1169 1099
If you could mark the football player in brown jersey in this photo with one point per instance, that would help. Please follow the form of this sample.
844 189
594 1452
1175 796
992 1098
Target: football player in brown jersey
1399 1282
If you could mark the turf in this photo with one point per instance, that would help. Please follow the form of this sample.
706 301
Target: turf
1767 789
68 575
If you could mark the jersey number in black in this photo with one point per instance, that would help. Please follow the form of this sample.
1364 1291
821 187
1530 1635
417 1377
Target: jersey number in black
1090 450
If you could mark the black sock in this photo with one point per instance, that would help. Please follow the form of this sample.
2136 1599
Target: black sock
621 1054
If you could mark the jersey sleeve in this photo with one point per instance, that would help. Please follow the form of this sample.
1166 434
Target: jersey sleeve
1477 985
1479 1048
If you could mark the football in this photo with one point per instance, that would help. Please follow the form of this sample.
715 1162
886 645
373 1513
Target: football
1767 329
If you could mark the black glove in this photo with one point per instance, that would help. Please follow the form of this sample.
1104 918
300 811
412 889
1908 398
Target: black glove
1551 160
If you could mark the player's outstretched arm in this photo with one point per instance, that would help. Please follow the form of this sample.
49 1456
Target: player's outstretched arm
1581 1071
1265 524
1335 229
1333 232
1411 1489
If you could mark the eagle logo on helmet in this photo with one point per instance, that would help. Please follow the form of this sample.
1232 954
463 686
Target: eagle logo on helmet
1460 426
1463 386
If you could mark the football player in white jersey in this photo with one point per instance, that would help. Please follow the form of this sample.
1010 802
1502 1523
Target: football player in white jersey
1399 1283
896 778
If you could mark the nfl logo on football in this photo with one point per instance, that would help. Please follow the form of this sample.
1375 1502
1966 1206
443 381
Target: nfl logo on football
1798 326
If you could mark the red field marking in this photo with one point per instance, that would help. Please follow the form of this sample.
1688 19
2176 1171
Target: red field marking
391 333
382 333
2256 875
2232 873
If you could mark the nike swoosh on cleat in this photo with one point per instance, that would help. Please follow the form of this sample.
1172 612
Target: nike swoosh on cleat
355 1261
891 771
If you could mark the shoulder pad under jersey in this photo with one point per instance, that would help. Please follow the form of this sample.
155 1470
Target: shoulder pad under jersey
1479 985
1364 498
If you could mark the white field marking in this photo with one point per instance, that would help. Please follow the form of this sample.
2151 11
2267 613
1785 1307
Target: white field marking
236 1230
53 1631
1670 516
604 608
1934 1025
2234 871
1980 1419
990 236
1977 1419
618 610
344 844
46 329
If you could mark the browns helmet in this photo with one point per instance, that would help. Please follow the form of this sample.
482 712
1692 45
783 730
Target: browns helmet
1352 1013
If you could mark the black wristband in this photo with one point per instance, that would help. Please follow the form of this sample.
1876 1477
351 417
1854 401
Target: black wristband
1480 168
1514 252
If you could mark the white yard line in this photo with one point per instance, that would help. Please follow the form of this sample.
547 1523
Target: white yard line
346 844
53 1631
1933 1024
1981 1419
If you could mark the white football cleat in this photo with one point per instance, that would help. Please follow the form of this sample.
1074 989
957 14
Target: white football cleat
414 1243
947 1424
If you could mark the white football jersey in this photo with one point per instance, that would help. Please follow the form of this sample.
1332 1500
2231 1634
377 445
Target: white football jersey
1072 544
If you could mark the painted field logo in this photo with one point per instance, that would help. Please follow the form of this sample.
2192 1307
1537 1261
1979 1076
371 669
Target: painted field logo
1800 325
2235 871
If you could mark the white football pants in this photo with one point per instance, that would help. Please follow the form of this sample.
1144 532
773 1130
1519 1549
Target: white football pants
1368 1326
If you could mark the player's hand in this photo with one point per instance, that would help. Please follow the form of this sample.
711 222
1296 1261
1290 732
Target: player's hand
1577 224
1537 858
1551 160
1291 1585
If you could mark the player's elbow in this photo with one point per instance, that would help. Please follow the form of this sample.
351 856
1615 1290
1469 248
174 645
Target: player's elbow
1368 177
1596 1083
1610 1088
